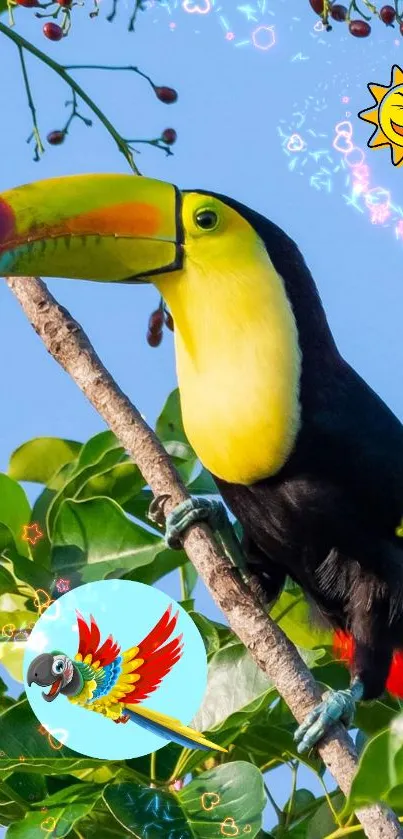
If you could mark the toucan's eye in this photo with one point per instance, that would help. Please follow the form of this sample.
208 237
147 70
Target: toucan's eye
206 219
58 666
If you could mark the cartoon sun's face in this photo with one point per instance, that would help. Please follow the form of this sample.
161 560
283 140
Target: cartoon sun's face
391 115
387 116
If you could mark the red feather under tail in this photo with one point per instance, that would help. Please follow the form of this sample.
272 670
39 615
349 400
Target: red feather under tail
343 648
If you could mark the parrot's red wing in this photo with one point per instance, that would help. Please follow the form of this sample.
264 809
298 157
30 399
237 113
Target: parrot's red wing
89 638
158 659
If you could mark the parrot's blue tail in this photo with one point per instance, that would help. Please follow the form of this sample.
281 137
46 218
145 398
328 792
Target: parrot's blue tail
169 728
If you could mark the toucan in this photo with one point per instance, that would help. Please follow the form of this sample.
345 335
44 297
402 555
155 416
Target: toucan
304 454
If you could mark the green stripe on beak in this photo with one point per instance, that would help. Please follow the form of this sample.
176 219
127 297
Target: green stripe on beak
107 228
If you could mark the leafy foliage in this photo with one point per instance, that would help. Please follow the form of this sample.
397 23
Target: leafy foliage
59 793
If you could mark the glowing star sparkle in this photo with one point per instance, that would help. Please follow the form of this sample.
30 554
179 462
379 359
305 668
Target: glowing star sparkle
32 533
387 115
62 585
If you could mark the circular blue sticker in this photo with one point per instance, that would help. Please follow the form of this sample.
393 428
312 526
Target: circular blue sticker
115 670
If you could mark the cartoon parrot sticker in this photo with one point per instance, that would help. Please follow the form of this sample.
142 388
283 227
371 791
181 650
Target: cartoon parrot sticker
103 679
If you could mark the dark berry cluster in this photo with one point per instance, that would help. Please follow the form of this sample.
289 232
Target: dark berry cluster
157 320
358 26
51 30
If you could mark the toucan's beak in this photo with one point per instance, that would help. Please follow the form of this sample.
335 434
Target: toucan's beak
111 228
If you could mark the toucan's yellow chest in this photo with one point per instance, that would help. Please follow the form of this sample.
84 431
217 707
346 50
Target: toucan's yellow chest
238 366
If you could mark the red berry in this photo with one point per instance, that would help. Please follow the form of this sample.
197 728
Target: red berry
154 338
401 28
166 94
169 321
29 4
317 6
156 320
338 12
387 14
169 136
56 137
65 3
53 31
359 28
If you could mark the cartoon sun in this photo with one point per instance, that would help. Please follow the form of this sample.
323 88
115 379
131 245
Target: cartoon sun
387 115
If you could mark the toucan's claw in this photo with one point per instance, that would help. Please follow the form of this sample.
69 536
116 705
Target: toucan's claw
187 513
338 706
214 513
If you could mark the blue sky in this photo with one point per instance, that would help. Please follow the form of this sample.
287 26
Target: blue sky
239 106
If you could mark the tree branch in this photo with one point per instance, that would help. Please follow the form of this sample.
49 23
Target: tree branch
270 648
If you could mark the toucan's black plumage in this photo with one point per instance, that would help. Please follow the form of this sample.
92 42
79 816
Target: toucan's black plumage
328 517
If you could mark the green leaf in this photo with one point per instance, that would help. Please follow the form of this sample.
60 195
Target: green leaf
266 742
20 619
95 448
30 572
120 483
15 511
301 823
12 657
41 550
142 811
230 797
233 682
98 455
100 824
26 748
3 6
302 799
190 577
203 484
138 507
94 538
242 799
13 602
10 809
369 786
163 563
395 794
7 581
38 459
31 788
291 611
62 810
374 717
323 822
208 631
169 425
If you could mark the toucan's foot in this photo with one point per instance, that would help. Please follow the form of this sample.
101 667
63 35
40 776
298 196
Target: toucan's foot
189 512
338 706
202 509
123 718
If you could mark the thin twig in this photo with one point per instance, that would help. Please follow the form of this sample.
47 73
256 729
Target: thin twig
269 647
39 149
60 70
